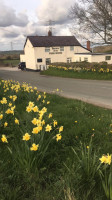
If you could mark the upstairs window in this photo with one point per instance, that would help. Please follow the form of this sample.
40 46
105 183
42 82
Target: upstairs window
71 48
107 57
39 60
47 49
61 48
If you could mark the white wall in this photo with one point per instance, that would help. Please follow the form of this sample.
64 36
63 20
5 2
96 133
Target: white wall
101 58
56 55
29 55
92 58
80 58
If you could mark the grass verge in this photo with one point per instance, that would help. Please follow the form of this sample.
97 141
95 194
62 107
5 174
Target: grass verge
7 62
77 75
64 169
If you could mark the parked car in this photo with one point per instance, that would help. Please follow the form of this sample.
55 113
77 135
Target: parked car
22 66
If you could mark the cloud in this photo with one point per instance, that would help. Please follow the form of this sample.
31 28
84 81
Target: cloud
56 10
9 17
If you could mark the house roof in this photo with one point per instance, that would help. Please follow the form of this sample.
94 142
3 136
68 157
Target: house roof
93 54
49 41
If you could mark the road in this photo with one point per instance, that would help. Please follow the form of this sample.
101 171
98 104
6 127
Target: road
90 91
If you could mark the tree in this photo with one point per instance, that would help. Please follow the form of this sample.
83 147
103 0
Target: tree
93 19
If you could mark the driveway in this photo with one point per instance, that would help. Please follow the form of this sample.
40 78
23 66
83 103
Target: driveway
91 91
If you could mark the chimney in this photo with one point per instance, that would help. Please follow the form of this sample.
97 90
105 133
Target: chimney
88 45
49 33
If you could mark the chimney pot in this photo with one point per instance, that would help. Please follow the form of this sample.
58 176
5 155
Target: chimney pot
49 33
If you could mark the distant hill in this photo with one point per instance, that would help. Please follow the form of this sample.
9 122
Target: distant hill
103 49
14 52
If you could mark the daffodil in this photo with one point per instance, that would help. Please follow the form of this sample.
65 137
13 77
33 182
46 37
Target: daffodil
4 139
35 130
26 137
48 128
1 116
35 109
106 159
50 115
16 121
34 121
60 129
4 100
14 97
28 109
58 137
34 147
5 124
31 104
10 104
55 123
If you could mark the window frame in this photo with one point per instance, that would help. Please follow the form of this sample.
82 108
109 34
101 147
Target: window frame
107 57
69 60
71 48
38 60
61 48
86 59
47 61
47 49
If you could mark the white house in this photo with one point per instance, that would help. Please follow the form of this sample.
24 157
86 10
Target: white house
42 50
93 57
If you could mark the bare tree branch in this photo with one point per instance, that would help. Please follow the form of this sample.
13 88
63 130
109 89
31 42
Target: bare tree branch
94 16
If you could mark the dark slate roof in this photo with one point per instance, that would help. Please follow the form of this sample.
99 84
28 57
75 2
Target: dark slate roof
50 41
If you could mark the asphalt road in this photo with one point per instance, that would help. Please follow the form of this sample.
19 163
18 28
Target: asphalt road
91 91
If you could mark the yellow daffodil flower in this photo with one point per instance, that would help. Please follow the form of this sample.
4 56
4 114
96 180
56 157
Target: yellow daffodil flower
16 121
48 128
55 123
5 124
26 137
34 147
60 129
50 115
58 137
1 116
4 139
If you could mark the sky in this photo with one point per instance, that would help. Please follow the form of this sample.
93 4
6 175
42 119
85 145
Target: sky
20 18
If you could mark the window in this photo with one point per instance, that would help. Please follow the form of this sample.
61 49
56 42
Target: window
61 48
71 48
39 60
86 59
79 59
69 60
107 57
47 49
48 61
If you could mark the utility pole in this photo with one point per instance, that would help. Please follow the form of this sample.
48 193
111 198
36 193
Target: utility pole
50 23
11 46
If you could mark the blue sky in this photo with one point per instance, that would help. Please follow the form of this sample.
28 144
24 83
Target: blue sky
19 18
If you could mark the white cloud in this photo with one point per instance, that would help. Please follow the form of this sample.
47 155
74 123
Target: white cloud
14 26
9 17
54 10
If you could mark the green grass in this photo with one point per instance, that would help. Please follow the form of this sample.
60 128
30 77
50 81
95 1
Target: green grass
60 175
10 62
77 75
